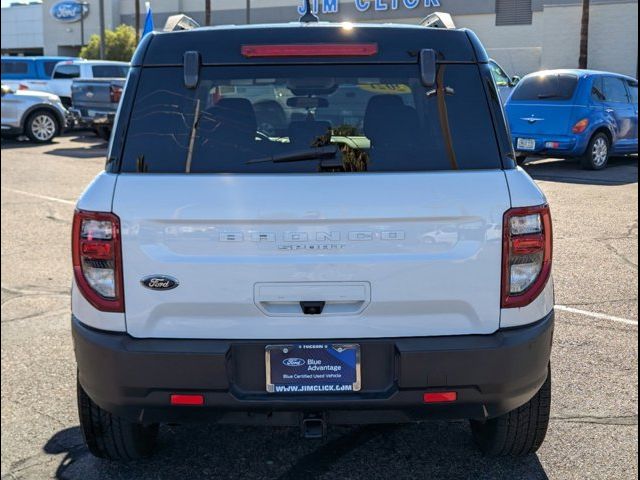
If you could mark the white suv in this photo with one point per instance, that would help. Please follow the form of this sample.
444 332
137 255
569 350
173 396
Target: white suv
380 259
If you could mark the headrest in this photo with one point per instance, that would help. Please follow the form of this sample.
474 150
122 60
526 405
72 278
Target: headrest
307 132
237 113
380 110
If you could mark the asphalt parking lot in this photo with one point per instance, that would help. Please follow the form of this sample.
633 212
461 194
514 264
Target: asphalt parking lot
594 426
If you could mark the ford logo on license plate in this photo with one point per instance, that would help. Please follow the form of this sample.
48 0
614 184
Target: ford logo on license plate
159 282
293 362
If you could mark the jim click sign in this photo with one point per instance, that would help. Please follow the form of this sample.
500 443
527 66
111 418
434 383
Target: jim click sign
333 6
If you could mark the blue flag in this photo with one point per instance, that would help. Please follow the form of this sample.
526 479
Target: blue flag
148 22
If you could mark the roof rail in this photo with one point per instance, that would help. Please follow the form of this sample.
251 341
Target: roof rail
439 20
180 22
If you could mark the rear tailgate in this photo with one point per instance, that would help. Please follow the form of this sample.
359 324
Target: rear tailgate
359 205
95 95
540 118
395 255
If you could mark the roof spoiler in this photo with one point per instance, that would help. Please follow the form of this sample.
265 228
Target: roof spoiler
439 20
180 22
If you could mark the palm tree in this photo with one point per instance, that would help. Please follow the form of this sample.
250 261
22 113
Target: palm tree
137 10
583 60
207 12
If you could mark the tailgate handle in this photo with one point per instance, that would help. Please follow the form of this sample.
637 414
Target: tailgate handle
312 308
313 298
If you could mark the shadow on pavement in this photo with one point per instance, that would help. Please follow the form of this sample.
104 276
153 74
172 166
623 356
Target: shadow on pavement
89 145
433 450
9 143
620 171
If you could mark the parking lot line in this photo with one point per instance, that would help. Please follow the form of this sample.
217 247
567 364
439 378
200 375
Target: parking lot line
43 197
601 316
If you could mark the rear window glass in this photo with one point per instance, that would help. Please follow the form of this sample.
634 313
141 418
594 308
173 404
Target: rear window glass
546 87
614 90
49 66
67 71
292 119
11 67
110 71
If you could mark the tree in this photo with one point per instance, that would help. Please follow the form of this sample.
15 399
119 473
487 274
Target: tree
119 44
583 60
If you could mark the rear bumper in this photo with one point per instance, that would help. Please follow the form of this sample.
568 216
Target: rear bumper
492 374
86 118
550 145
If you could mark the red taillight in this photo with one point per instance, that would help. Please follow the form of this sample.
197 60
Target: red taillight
116 93
439 397
527 255
97 259
22 86
311 50
193 400
581 126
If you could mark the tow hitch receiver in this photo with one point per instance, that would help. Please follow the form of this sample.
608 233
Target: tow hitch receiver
313 427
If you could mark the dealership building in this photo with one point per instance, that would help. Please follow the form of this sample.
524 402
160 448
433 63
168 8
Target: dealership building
522 35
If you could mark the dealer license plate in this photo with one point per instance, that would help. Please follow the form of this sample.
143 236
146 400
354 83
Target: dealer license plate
526 144
313 368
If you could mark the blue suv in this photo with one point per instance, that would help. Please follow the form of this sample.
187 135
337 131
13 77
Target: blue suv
575 113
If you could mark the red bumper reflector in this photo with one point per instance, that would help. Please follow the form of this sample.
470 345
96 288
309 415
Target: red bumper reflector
187 399
311 50
440 397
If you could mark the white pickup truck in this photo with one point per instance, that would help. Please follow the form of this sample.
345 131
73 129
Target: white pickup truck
379 258
64 73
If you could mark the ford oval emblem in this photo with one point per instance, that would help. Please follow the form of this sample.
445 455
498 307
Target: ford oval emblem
293 362
69 11
160 282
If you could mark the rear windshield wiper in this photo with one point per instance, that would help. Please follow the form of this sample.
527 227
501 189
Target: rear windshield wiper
299 155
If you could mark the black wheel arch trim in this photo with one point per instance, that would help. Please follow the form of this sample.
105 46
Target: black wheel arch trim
59 118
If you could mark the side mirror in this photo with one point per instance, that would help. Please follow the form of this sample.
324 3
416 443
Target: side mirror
428 67
515 80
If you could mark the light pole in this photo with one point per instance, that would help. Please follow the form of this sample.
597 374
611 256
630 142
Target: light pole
82 7
248 12
102 43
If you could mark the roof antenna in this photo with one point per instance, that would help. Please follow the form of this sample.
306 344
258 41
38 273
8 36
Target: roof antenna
309 17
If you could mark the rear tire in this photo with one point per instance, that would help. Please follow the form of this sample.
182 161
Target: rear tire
597 155
42 126
103 132
111 437
519 432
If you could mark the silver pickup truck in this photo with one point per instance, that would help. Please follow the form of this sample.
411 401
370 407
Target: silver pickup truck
95 102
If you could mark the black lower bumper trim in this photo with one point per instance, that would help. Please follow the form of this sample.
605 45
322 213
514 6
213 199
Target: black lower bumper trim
492 375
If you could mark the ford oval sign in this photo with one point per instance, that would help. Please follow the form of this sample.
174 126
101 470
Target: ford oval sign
69 11
159 282
293 362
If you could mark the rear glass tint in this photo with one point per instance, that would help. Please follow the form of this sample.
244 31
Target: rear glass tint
49 66
109 71
296 119
546 87
614 90
11 67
